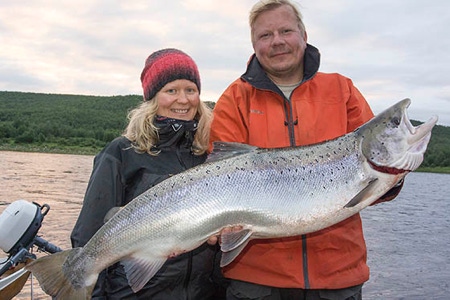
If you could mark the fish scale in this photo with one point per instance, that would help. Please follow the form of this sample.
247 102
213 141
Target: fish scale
271 193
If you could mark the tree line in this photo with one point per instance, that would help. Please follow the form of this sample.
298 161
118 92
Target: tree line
61 123
82 124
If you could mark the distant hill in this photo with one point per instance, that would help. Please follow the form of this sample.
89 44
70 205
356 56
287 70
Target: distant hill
85 124
61 123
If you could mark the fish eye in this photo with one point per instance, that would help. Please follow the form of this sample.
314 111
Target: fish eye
395 121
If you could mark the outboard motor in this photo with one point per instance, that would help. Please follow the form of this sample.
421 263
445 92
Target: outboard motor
19 225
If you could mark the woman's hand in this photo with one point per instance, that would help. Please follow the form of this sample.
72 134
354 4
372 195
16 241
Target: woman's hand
216 238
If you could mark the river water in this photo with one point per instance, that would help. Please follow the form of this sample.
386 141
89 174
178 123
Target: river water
408 241
55 179
407 238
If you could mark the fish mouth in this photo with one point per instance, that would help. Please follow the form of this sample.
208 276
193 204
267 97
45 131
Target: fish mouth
411 140
417 141
417 138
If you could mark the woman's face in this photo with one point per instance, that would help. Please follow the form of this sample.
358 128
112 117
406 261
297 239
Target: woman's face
178 99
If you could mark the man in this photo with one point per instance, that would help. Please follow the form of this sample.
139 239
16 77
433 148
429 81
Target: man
282 100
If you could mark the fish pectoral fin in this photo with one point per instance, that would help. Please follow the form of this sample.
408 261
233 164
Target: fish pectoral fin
232 243
228 257
111 213
232 240
139 271
362 195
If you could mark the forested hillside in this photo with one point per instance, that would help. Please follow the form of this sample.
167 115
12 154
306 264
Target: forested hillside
438 151
84 124
61 123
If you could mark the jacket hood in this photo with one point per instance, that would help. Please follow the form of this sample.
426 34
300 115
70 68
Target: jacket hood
256 76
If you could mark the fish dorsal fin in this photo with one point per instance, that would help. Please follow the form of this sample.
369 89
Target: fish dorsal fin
111 213
232 244
362 195
139 271
224 150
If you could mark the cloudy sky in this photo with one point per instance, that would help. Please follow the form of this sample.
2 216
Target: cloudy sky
390 49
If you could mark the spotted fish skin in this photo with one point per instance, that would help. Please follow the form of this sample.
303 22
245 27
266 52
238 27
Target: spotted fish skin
269 192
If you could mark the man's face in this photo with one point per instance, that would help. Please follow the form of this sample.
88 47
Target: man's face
279 44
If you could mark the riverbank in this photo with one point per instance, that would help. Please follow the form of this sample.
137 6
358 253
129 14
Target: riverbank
94 151
439 170
55 149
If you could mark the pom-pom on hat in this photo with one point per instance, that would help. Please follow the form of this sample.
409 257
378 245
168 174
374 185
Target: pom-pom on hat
164 66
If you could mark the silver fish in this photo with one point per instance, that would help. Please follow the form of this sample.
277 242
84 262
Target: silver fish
269 192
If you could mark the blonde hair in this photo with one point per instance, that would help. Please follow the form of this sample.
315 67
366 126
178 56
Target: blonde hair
143 134
266 5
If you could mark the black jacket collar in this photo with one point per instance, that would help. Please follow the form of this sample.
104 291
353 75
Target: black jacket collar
175 133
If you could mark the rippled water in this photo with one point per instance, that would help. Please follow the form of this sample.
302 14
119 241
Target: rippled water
407 238
55 179
408 241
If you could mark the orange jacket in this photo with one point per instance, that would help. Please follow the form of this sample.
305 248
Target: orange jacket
254 111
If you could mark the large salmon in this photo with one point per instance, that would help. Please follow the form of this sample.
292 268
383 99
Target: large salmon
269 192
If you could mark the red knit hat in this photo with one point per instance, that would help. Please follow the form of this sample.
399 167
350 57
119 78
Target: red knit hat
165 66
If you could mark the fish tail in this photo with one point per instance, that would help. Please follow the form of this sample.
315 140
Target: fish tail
48 270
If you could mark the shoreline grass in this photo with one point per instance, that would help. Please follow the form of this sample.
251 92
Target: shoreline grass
93 151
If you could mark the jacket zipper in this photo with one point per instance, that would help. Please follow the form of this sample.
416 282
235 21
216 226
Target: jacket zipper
291 128
188 275
290 121
179 156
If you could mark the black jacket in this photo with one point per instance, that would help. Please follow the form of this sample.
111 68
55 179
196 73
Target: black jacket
119 175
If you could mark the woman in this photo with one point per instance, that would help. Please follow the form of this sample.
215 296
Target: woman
167 134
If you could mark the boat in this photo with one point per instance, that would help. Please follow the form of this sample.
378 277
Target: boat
19 226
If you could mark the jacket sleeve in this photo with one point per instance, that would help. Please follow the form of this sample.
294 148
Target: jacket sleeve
104 191
358 110
391 194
